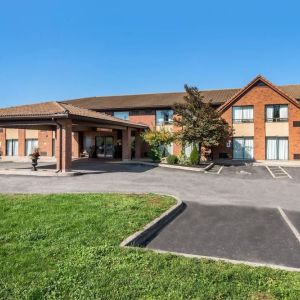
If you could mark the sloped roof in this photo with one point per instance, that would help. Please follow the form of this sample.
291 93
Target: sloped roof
256 80
217 97
60 110
148 100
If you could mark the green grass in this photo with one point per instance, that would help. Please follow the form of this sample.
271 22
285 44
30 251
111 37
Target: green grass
67 246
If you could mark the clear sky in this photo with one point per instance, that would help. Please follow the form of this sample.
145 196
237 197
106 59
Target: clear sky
55 50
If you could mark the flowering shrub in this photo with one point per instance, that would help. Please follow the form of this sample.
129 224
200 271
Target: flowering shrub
157 140
35 154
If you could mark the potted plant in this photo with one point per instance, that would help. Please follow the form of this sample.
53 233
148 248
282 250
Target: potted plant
34 158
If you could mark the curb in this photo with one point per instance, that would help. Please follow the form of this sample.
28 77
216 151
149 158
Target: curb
175 167
140 237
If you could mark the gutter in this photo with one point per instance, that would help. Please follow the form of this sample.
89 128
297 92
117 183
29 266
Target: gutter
60 144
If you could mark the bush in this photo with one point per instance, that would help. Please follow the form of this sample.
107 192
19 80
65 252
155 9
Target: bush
194 157
172 159
155 154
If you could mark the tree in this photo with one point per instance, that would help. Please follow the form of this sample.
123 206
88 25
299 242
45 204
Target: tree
157 140
200 123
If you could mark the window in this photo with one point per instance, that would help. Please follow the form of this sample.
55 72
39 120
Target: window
276 113
243 148
277 148
124 115
242 114
164 117
12 147
166 150
30 145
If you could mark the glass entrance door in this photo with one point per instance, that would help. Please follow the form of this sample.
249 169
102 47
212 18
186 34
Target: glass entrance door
104 146
277 148
243 148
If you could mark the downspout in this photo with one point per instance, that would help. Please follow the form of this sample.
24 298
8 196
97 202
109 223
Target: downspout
60 144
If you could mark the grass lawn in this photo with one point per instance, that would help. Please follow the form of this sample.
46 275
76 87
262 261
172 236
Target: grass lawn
67 246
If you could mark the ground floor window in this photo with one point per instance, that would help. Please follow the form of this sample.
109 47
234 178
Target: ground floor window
104 146
166 150
30 145
277 148
243 148
12 147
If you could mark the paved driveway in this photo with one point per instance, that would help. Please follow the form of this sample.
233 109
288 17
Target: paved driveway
242 224
257 235
247 190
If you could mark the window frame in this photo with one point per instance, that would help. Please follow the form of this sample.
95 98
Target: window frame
277 138
170 120
276 120
244 138
13 141
121 112
241 121
31 140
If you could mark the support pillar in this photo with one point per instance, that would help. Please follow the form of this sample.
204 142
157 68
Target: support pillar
64 146
2 142
126 144
21 139
138 144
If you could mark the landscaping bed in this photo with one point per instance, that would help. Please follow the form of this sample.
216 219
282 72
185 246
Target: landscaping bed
67 246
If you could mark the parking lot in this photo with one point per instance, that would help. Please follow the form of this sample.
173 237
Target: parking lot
255 172
247 234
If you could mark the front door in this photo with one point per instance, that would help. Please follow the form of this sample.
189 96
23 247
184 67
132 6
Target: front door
243 148
104 146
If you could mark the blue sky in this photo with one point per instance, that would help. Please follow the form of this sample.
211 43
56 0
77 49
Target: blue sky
55 50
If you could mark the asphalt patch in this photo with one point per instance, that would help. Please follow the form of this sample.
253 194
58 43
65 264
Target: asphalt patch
258 235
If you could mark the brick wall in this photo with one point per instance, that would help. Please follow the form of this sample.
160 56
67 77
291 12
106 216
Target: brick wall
259 96
2 142
45 142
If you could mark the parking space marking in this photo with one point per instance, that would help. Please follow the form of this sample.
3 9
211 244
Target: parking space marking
219 171
289 223
278 172
287 174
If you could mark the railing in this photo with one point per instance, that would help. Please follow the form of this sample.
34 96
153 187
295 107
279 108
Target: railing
270 120
242 120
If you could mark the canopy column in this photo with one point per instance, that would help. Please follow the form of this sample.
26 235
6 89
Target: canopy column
138 144
126 144
64 145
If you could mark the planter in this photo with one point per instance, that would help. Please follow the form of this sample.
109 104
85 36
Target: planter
34 163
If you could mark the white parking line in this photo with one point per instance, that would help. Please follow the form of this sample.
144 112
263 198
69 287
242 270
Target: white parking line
219 171
270 172
289 223
278 172
284 171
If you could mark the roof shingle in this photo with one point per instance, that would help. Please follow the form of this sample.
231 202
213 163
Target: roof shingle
217 97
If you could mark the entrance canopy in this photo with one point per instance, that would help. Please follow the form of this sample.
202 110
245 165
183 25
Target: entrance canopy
65 118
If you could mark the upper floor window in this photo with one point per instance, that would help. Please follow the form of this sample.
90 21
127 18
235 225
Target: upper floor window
242 114
164 117
124 115
277 113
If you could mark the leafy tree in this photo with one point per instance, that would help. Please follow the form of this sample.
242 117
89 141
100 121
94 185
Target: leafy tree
194 157
157 140
200 123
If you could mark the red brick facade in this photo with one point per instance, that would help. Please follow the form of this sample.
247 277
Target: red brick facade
260 94
258 97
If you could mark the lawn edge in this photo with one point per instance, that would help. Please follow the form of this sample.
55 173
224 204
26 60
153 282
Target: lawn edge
140 237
